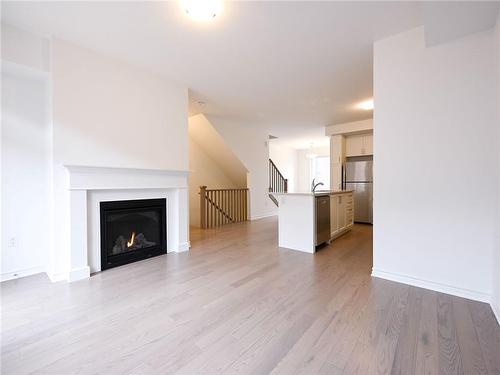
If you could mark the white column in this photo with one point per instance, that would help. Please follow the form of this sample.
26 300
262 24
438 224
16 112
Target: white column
79 268
183 216
178 221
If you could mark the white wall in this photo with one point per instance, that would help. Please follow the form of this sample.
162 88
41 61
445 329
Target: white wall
212 163
25 173
304 166
109 114
127 117
206 136
204 171
496 259
436 162
250 144
25 153
303 171
286 160
25 49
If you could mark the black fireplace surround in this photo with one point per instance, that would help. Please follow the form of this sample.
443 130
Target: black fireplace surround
132 230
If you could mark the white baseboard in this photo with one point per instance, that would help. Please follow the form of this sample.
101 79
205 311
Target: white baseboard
79 273
21 273
496 311
184 246
262 216
55 277
431 285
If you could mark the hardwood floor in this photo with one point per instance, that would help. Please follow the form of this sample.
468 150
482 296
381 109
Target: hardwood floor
237 304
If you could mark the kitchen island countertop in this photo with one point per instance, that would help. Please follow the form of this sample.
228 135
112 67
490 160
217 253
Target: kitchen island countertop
316 193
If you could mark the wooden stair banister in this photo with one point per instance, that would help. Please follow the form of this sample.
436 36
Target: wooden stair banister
222 206
277 183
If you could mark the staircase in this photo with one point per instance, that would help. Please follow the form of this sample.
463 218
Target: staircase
212 161
222 206
277 183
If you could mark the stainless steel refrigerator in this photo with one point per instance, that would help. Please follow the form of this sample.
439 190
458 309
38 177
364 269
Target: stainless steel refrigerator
358 176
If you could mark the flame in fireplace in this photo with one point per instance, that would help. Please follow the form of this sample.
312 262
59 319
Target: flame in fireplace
131 242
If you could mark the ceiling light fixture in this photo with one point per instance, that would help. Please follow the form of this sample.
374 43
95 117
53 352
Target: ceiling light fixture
367 105
202 10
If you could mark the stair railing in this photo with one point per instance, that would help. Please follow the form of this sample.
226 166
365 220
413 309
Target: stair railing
222 206
277 183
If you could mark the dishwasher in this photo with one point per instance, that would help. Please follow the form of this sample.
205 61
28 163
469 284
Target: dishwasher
322 219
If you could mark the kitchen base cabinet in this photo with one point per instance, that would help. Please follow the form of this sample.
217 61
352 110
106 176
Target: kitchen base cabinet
305 220
341 213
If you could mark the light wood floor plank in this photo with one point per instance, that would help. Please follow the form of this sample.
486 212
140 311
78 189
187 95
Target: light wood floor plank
405 357
450 356
427 336
488 334
236 303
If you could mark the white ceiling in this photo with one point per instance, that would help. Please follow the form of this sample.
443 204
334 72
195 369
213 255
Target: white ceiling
301 139
461 19
288 65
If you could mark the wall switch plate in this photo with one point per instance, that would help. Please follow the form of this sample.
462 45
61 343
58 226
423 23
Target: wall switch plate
12 242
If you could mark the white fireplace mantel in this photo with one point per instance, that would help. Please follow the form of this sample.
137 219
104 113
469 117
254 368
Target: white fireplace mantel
88 186
94 178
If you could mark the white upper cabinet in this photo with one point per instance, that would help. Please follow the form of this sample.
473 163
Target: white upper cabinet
359 145
354 145
337 157
368 144
337 149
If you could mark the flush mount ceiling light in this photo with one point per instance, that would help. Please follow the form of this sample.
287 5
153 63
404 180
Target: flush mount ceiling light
202 10
367 105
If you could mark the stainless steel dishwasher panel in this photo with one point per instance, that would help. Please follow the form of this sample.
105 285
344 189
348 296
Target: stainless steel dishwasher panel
322 219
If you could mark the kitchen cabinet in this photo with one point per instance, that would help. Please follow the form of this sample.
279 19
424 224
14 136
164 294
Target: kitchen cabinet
341 213
368 144
337 149
349 209
305 220
359 145
337 158
334 221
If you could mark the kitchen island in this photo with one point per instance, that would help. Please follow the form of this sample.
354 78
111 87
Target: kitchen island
301 218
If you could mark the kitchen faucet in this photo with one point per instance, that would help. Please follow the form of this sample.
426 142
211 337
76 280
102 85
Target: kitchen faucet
314 186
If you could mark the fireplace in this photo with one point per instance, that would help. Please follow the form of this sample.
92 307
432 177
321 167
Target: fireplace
132 230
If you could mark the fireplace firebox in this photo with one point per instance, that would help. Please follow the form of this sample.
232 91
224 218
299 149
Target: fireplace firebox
132 230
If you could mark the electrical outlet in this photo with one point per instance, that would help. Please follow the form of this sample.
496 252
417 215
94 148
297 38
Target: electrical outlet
12 242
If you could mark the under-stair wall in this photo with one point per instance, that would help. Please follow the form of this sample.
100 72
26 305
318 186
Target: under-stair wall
249 142
212 163
204 171
286 160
